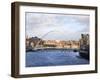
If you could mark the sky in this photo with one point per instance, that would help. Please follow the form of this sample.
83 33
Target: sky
49 26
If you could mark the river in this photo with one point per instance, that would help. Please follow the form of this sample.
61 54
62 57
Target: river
54 58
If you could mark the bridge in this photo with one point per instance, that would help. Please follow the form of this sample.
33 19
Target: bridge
53 44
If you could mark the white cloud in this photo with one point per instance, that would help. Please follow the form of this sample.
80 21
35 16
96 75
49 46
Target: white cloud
63 26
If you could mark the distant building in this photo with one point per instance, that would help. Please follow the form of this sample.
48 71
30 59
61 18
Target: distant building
33 42
84 40
62 44
75 45
49 43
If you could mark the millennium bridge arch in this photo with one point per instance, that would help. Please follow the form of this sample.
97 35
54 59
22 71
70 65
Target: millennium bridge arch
46 34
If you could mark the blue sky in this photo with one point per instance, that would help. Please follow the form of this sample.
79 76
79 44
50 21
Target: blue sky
56 26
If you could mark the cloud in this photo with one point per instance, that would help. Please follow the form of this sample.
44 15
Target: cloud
38 24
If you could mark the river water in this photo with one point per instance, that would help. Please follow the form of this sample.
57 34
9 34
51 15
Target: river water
54 58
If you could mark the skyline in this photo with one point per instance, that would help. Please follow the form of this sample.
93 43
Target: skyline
56 26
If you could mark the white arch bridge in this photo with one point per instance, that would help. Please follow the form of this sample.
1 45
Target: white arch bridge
41 47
